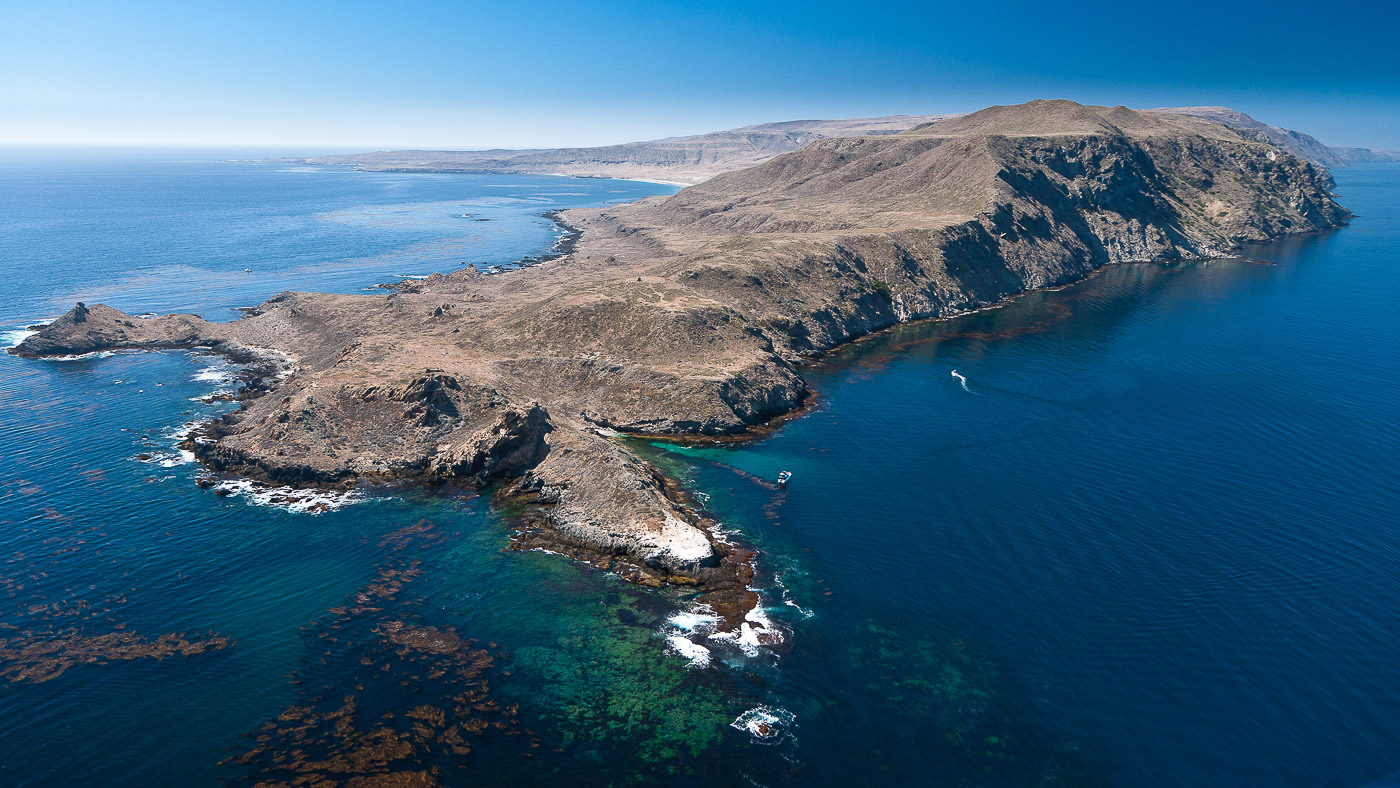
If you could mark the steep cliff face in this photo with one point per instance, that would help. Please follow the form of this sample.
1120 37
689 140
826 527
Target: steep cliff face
690 316
848 236
1304 146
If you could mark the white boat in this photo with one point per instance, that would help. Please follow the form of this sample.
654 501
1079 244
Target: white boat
783 478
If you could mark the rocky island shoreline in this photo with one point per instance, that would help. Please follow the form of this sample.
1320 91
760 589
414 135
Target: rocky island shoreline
690 316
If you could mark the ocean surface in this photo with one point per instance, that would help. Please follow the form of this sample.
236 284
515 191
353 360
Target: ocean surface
1149 536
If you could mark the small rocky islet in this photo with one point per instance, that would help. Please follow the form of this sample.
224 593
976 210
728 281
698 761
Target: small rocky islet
691 316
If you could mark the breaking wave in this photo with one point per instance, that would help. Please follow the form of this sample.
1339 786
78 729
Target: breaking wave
82 356
688 632
682 629
291 499
698 655
757 631
766 724
12 338
168 459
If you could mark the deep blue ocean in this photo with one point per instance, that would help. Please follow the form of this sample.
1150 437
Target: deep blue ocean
1149 538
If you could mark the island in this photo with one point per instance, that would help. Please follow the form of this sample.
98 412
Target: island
691 316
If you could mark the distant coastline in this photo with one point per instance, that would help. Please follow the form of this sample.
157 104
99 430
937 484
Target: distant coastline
686 161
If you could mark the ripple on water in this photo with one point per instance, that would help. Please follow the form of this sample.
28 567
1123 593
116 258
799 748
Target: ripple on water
766 724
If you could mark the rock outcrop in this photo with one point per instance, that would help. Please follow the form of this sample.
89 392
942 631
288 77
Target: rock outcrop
1304 146
85 329
691 315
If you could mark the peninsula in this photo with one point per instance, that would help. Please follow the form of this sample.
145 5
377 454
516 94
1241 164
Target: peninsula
690 316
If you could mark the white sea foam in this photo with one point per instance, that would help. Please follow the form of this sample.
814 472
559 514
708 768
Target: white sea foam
700 618
12 338
215 373
757 631
83 356
720 535
167 459
290 498
789 600
698 655
806 612
184 431
222 375
682 628
765 724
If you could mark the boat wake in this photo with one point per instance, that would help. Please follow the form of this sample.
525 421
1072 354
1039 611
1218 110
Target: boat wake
963 381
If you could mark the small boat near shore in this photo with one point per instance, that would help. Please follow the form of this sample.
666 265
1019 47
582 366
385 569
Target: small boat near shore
783 478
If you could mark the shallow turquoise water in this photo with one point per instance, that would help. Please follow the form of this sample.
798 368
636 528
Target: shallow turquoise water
1151 543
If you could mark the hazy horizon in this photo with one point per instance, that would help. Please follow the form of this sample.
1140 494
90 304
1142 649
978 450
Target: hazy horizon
371 76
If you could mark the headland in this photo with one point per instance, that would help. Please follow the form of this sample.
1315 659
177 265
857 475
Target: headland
691 316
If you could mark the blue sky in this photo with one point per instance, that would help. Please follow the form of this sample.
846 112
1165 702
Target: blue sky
355 75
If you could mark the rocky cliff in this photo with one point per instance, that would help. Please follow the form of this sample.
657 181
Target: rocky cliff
1304 146
691 315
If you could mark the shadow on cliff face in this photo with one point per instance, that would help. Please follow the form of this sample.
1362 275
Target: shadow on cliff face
1116 293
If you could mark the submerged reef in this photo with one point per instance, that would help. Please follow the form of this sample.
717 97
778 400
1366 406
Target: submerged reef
948 707
45 631
352 722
